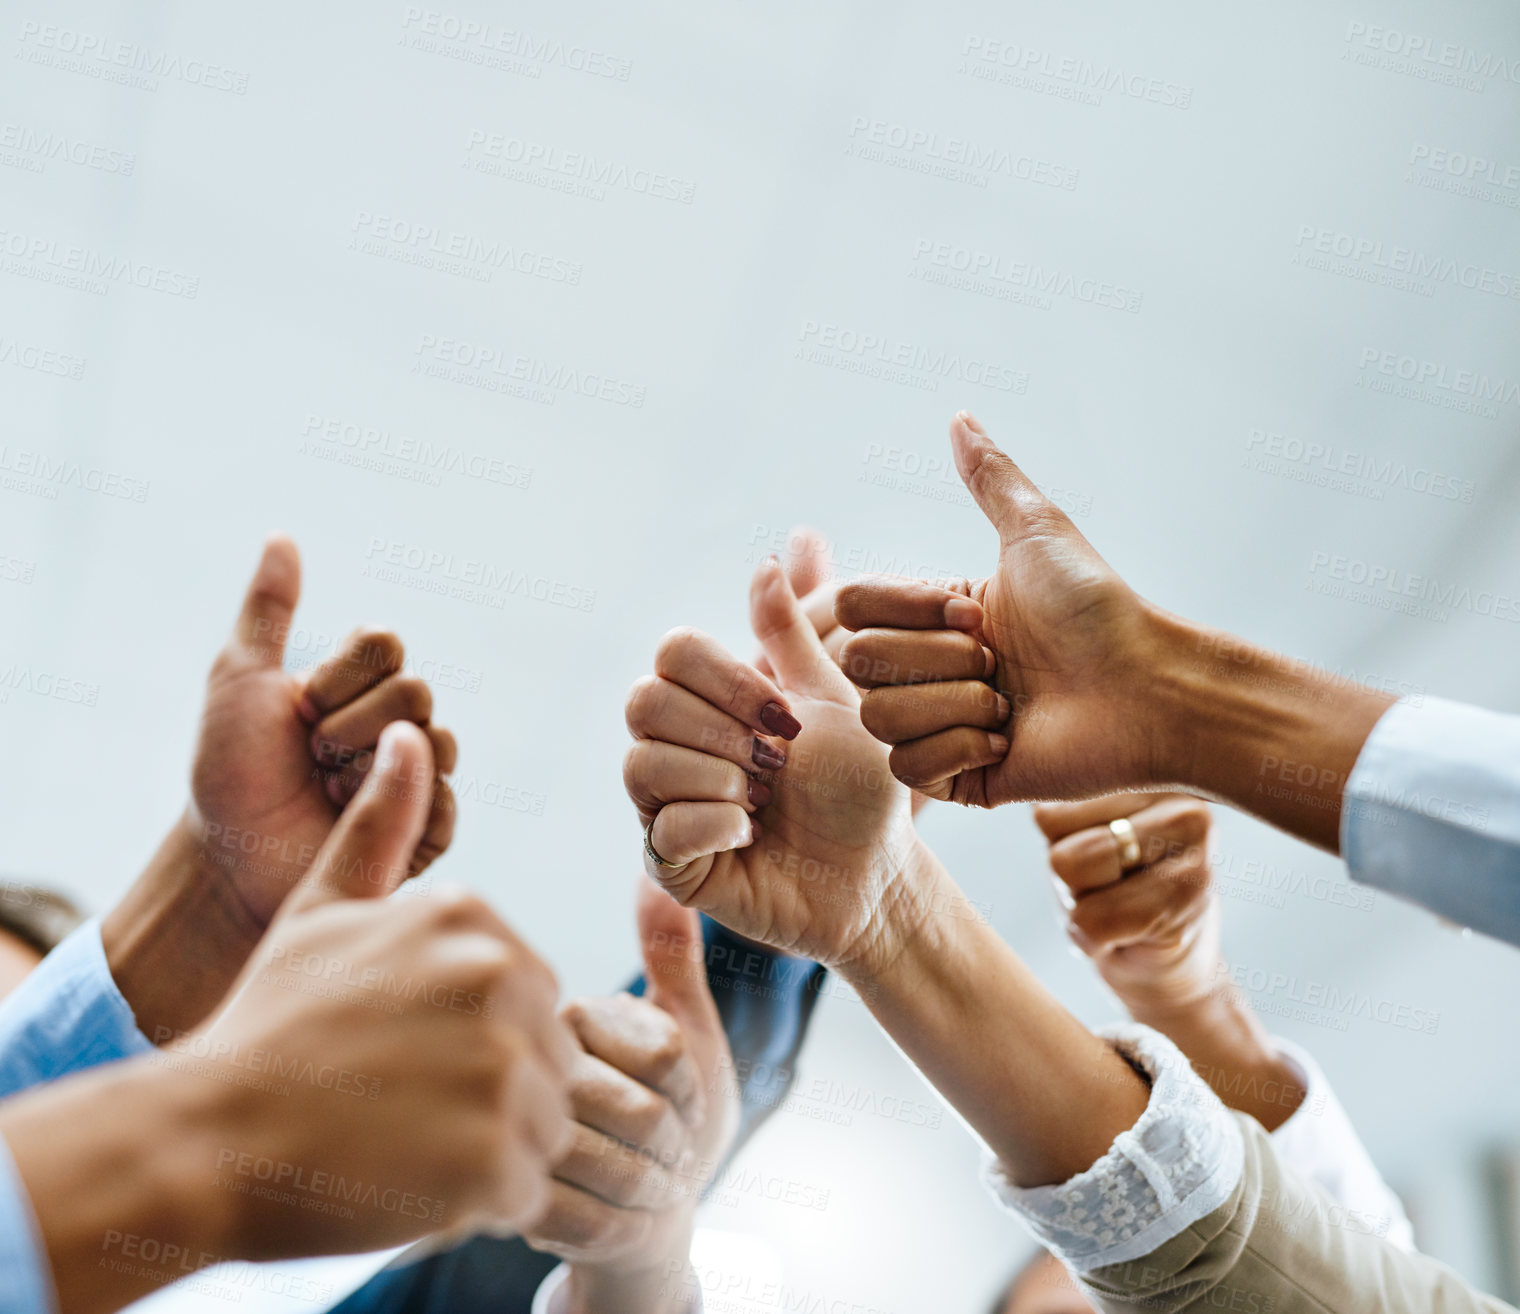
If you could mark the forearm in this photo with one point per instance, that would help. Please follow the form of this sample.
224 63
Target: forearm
117 1165
1272 736
1229 1048
178 938
1047 1096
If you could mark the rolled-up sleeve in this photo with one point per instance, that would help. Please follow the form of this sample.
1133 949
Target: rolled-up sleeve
65 1016
28 1282
1431 812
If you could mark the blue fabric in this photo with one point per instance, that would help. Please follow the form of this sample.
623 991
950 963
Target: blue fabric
765 1000
1431 813
65 1016
27 1285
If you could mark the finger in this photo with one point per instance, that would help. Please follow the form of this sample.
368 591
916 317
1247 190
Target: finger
367 656
616 1173
921 711
928 764
807 563
576 1222
541 1101
1156 904
610 1100
656 773
638 1037
263 624
701 664
877 657
818 607
439 834
1090 859
1057 820
916 711
342 781
357 724
675 972
368 853
1006 495
661 709
684 833
906 604
789 639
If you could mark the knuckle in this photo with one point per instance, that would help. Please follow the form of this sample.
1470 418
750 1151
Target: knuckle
376 645
646 698
415 698
674 645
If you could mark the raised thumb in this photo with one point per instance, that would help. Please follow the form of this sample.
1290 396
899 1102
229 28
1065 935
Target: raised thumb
1005 493
368 852
675 960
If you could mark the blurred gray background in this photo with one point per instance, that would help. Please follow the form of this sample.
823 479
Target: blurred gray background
602 299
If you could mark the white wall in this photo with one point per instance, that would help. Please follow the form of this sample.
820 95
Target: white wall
706 310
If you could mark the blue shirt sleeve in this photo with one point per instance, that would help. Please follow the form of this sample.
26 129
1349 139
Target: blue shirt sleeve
1432 812
28 1282
65 1016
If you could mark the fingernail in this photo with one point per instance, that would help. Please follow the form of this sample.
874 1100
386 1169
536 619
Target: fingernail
962 614
775 718
759 792
998 744
754 831
764 755
971 422
990 658
1004 708
307 709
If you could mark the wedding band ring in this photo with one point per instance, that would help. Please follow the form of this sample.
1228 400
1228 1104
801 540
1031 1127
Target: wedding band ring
658 861
1124 835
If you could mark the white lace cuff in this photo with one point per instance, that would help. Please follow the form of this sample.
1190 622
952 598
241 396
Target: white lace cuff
1177 1164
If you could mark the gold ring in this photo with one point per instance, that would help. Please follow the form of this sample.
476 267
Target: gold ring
1129 844
653 853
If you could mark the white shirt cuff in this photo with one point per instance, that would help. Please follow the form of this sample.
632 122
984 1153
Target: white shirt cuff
1177 1164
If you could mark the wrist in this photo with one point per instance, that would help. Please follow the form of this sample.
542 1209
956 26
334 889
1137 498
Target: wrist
119 1165
1275 736
179 936
1227 1046
663 1282
918 908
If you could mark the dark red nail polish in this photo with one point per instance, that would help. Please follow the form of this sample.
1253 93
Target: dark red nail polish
765 756
759 792
775 718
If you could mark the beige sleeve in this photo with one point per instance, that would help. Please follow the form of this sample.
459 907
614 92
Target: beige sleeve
1278 1245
